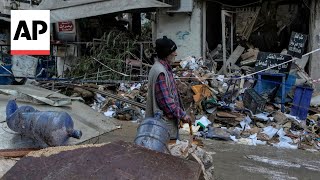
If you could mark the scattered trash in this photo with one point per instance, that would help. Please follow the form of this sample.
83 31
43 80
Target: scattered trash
251 141
217 133
270 131
109 113
191 63
285 141
263 117
245 124
203 122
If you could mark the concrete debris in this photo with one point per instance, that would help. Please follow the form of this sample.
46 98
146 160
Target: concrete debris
182 149
186 129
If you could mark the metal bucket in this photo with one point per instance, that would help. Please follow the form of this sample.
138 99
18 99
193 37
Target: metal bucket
153 134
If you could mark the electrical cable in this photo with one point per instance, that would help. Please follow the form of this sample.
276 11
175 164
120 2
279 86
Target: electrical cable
306 4
239 6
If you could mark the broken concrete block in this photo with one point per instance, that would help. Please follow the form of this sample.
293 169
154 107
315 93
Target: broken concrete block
279 117
260 125
287 125
254 130
239 105
84 93
263 137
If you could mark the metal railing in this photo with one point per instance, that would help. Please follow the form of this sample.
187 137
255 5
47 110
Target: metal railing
136 67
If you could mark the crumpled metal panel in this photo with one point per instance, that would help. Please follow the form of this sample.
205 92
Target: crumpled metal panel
118 160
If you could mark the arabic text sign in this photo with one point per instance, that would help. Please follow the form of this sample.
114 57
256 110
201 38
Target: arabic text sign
66 26
297 44
266 60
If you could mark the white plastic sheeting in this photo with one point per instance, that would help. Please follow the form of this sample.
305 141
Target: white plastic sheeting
24 66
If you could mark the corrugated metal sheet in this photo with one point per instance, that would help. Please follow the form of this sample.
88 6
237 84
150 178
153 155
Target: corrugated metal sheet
68 10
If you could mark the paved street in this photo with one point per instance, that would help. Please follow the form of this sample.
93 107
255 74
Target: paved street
242 162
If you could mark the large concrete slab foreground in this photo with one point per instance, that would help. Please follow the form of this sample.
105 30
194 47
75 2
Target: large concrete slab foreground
118 160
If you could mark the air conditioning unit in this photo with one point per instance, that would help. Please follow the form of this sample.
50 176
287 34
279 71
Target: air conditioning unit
180 5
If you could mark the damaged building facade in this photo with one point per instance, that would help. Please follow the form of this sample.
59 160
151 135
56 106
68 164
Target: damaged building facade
200 28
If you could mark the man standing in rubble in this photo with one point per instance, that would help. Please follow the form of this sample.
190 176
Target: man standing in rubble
162 90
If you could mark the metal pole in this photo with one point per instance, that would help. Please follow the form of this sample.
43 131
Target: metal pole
141 57
231 35
204 30
1 53
223 20
98 76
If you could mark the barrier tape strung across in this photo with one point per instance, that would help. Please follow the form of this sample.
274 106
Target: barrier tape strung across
315 81
263 70
307 54
232 78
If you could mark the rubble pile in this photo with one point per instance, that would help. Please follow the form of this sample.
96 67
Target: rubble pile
225 108
118 109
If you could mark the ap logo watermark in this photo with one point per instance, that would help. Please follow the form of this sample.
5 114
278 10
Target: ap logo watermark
30 32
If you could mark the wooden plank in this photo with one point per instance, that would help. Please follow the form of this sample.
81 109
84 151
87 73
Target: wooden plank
248 62
246 19
233 58
14 153
304 76
117 160
302 62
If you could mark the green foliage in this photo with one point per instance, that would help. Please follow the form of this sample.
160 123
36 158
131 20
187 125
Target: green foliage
112 50
146 31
